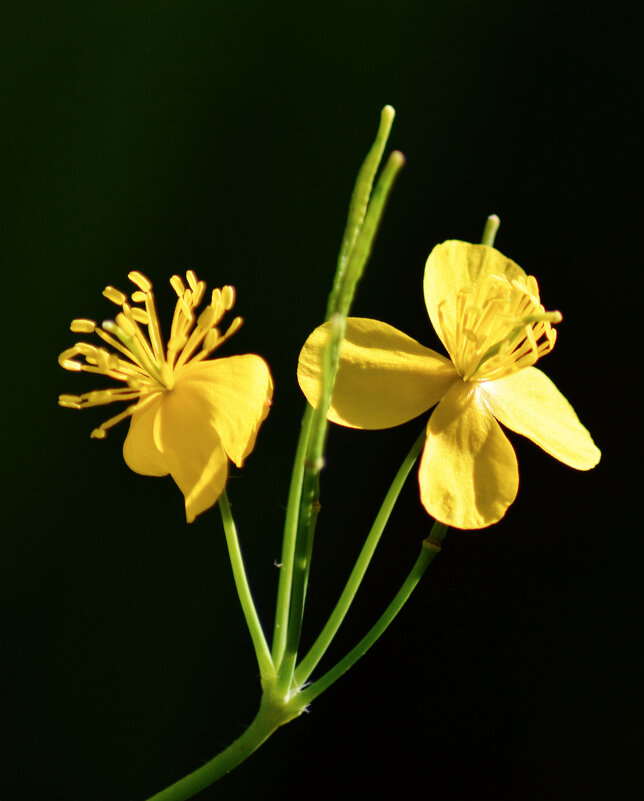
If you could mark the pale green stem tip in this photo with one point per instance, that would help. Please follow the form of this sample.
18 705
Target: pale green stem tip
489 232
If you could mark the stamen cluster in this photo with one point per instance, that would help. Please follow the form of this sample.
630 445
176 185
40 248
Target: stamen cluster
139 360
501 327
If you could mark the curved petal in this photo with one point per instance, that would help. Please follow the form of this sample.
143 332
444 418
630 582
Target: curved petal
384 378
468 472
529 403
237 392
139 451
191 448
453 266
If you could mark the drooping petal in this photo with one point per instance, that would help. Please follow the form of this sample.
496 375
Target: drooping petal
139 450
235 394
192 448
384 378
468 472
451 267
529 403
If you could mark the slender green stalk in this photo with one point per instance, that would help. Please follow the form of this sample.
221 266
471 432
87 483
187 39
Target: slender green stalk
269 718
264 661
489 232
431 546
366 237
320 646
288 542
314 456
359 202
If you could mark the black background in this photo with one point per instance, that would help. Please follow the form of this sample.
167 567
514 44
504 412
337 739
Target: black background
225 137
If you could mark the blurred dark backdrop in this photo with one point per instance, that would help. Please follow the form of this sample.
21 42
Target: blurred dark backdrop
225 137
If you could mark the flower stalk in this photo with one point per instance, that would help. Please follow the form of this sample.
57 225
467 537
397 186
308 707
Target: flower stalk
365 214
430 549
262 652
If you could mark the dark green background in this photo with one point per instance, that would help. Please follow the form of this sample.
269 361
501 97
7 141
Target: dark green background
225 137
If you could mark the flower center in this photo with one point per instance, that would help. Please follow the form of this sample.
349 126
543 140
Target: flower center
501 327
140 361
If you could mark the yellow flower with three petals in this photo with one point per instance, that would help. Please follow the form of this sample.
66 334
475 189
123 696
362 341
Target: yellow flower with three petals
191 413
487 313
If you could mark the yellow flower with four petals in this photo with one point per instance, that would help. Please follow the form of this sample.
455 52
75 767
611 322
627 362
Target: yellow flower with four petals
487 313
191 413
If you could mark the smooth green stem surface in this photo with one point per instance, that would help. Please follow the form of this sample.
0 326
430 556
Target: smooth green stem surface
489 232
359 202
288 543
366 237
320 646
361 230
264 661
269 718
431 547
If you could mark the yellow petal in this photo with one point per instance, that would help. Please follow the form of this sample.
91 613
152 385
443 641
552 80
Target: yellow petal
191 448
139 450
468 472
384 379
453 266
235 393
529 403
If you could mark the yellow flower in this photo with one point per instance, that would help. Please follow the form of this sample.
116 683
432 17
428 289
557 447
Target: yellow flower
191 414
488 315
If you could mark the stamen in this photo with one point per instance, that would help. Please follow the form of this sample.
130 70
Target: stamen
99 433
154 329
115 295
67 363
69 401
138 360
200 290
82 326
140 280
228 297
141 316
177 284
211 340
501 327
207 318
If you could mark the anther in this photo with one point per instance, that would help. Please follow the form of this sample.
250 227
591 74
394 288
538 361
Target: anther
115 295
177 284
66 362
177 342
140 280
199 293
138 296
192 279
82 326
234 326
70 401
228 297
141 316
126 326
207 318
210 342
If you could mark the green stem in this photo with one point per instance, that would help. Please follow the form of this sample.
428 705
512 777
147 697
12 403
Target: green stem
264 661
359 202
320 646
489 232
288 543
431 546
363 243
270 717
344 287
